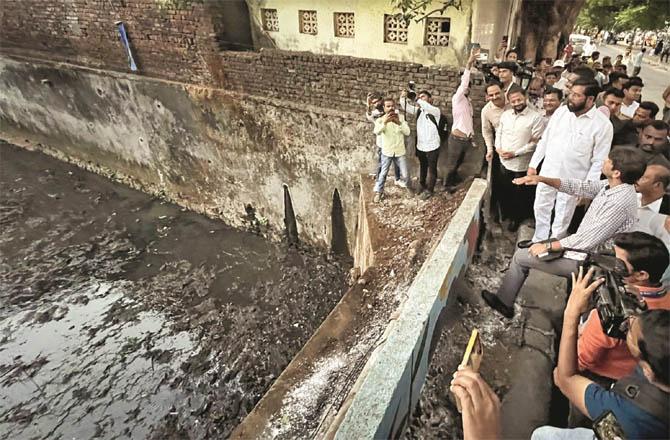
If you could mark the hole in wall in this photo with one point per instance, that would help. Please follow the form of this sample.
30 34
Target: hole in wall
99 91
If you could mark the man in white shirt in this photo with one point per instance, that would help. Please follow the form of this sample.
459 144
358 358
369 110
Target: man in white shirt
637 63
427 139
551 102
632 92
491 113
506 71
574 146
652 199
519 130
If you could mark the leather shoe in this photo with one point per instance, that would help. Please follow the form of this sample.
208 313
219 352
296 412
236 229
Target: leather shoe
524 244
494 302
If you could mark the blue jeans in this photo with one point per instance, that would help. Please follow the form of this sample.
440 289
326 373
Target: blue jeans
551 433
379 165
401 164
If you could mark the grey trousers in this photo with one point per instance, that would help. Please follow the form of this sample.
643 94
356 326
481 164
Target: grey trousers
456 148
519 268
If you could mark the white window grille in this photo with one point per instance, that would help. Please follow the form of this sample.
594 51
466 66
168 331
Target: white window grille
395 29
270 20
344 24
308 24
437 32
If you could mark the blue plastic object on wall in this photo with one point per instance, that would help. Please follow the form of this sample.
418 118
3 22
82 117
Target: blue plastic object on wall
124 39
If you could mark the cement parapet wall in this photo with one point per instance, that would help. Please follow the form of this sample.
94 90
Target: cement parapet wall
387 391
362 371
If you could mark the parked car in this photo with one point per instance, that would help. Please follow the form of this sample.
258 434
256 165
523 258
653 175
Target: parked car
578 42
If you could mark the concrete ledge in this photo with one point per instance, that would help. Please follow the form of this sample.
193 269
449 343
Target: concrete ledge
388 389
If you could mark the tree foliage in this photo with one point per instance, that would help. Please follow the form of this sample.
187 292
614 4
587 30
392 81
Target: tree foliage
417 10
625 14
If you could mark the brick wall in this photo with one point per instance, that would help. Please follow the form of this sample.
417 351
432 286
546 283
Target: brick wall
172 39
337 82
178 40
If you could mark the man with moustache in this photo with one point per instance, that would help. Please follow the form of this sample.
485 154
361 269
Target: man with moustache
574 145
520 128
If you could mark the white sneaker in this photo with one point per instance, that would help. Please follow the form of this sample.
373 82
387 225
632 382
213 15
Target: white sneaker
401 184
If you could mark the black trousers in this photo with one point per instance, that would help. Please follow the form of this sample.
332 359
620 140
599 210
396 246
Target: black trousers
428 168
516 201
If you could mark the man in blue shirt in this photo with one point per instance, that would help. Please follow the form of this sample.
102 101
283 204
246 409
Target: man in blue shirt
648 339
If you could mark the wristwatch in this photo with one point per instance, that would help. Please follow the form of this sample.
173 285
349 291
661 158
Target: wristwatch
548 246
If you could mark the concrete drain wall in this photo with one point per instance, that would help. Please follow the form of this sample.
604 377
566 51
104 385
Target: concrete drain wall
378 382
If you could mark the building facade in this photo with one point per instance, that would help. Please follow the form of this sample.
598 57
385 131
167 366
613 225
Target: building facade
373 28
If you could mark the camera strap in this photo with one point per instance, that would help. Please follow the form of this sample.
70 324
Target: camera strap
644 395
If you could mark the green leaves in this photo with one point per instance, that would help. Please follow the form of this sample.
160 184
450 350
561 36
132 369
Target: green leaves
417 10
625 14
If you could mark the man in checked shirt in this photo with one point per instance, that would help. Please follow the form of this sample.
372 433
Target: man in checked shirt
613 210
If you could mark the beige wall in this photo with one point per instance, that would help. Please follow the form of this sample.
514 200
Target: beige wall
369 39
493 19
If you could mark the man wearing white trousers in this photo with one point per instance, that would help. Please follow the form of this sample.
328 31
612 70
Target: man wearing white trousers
574 145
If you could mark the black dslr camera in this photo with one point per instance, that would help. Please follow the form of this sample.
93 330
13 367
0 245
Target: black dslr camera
411 91
612 301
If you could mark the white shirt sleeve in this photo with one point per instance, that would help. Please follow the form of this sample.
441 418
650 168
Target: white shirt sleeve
600 151
429 108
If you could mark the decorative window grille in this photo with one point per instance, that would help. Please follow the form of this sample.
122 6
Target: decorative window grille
395 29
308 23
344 24
437 32
270 20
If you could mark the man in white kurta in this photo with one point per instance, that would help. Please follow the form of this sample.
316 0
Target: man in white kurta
574 145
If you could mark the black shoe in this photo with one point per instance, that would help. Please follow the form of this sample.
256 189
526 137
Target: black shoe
524 244
494 302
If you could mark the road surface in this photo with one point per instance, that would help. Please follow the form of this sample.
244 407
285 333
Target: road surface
655 79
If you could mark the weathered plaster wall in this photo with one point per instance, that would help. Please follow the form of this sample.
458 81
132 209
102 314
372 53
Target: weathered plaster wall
206 149
369 34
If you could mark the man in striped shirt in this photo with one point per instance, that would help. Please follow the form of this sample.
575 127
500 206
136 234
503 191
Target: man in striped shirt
613 210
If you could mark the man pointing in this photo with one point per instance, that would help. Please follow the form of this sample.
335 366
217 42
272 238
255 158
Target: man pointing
574 146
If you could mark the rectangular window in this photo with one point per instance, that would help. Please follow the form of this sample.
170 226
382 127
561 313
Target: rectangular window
437 32
270 20
308 23
344 24
395 29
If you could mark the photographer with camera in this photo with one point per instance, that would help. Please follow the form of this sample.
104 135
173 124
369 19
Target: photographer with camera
639 402
613 210
462 130
430 130
644 259
392 128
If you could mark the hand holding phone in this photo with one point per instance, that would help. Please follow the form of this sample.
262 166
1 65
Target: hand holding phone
472 358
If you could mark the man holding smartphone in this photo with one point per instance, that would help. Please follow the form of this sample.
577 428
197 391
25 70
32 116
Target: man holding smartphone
392 129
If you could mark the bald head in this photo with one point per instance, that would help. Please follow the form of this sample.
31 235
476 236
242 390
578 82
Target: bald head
653 183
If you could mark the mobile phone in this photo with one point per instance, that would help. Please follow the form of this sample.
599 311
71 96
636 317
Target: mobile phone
471 358
505 38
606 427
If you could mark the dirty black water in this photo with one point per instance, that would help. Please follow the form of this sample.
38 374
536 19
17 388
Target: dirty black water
122 316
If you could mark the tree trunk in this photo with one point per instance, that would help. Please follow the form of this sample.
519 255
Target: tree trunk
542 24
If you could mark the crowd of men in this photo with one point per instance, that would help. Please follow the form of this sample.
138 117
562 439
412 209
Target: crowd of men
579 154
